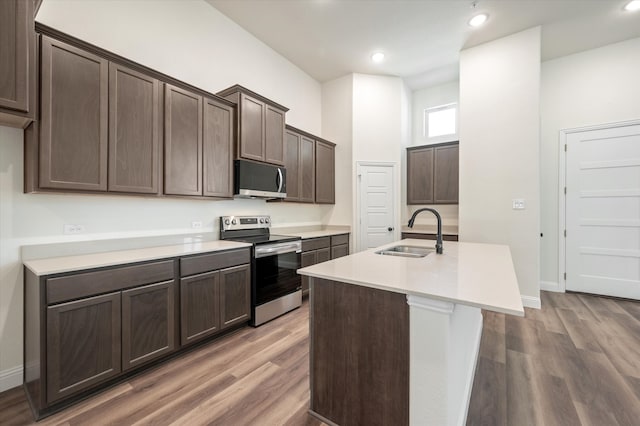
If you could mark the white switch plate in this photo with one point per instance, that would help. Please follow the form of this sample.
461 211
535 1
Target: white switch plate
196 224
72 229
518 203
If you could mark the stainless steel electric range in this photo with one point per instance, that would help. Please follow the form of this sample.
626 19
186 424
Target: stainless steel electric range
275 285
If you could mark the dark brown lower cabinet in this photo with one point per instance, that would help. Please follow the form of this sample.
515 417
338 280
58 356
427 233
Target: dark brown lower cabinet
235 295
339 251
83 344
215 294
148 318
199 306
321 249
86 329
311 258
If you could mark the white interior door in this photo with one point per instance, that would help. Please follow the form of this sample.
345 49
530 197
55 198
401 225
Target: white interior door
603 211
376 208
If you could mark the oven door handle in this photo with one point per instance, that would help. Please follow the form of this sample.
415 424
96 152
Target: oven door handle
295 247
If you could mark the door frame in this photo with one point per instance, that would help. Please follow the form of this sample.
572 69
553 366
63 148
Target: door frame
562 183
395 203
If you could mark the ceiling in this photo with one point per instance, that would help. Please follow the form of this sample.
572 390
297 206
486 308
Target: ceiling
420 38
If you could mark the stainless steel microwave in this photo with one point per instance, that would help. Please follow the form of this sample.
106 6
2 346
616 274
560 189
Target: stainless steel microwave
259 180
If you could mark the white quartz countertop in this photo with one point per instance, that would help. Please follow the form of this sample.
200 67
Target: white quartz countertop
473 274
56 265
315 234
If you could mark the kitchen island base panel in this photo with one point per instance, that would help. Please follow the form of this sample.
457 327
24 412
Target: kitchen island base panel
445 341
359 354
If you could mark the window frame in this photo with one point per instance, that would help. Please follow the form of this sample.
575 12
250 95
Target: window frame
430 110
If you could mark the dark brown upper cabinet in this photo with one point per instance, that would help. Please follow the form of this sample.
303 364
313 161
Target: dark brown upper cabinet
432 174
134 131
73 126
325 172
218 149
260 126
445 176
182 142
107 125
17 63
300 165
198 145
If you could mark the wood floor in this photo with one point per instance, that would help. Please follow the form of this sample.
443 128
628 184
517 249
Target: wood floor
576 361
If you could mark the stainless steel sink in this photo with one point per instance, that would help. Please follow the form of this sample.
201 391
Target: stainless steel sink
406 251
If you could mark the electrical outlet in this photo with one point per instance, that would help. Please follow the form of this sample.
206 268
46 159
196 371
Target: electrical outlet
72 229
196 224
518 204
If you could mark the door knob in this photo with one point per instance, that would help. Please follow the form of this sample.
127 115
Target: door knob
390 229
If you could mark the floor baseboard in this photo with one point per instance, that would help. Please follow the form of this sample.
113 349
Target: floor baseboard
10 378
550 286
531 302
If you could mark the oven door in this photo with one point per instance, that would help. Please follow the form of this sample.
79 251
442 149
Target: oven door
275 271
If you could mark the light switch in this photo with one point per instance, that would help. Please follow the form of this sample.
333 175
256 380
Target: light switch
518 203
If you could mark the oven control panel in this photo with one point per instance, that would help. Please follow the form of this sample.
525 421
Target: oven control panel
228 223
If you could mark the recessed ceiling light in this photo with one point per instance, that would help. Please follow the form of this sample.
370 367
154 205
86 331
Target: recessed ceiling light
478 20
632 6
377 57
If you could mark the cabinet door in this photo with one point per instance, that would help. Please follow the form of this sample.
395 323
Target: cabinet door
16 24
291 163
420 176
74 114
182 142
251 138
83 344
446 174
134 131
324 254
274 135
307 259
199 306
148 318
307 170
217 149
325 173
339 251
235 295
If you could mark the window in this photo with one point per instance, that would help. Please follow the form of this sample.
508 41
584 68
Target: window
440 121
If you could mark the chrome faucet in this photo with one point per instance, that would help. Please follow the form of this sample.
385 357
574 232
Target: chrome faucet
439 234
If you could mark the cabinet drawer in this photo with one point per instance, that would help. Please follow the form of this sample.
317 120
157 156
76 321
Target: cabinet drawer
91 283
315 243
337 240
212 261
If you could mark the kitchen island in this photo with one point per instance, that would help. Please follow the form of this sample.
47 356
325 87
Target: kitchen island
394 340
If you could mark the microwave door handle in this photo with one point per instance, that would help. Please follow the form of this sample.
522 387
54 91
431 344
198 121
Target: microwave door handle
279 180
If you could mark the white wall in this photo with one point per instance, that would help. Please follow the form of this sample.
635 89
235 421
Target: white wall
191 41
499 150
588 88
422 99
337 126
379 103
430 97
